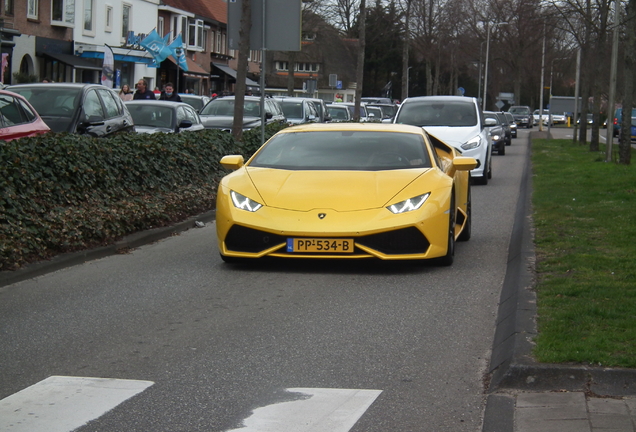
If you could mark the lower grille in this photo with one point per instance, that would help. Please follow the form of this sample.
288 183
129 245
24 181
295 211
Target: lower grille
399 242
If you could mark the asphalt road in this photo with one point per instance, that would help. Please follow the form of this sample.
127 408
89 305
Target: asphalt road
218 341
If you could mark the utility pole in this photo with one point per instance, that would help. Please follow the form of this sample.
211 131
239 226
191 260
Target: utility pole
542 74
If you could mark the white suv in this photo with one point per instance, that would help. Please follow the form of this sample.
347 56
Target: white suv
456 120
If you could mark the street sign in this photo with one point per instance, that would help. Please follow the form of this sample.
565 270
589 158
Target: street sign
499 104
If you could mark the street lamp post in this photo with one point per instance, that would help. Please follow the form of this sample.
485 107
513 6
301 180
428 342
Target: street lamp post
408 72
488 30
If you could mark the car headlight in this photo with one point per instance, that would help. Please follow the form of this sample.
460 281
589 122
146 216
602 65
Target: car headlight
471 144
244 203
409 204
496 137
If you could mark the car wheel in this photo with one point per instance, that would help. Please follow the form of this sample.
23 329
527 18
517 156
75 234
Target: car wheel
447 259
483 180
467 231
502 149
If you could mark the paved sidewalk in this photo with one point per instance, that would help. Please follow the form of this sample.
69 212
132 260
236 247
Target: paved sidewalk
573 412
526 396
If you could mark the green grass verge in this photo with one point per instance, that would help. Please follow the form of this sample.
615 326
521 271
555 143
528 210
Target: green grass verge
585 219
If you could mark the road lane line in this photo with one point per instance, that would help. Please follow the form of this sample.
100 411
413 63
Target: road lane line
333 410
62 404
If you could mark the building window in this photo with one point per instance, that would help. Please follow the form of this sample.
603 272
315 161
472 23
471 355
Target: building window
63 12
223 44
160 27
206 35
195 34
109 18
125 20
8 7
32 9
282 66
89 18
218 42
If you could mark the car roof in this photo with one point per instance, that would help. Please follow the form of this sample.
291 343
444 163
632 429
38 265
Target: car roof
155 103
440 97
58 85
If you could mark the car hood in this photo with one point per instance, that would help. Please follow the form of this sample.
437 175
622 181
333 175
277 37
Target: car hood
219 122
455 136
151 130
307 190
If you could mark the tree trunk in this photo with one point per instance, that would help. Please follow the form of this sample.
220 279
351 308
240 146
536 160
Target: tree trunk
291 65
241 72
360 70
405 53
625 143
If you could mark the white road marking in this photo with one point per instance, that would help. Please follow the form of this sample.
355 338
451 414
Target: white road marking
62 404
332 410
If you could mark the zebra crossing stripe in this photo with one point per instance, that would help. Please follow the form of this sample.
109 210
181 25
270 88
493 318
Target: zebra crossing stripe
316 409
62 404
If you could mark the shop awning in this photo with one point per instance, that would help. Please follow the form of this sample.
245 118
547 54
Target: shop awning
231 72
193 68
75 61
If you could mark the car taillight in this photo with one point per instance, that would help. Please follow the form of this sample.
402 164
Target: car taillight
615 122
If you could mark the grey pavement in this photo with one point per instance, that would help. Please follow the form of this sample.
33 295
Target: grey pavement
525 396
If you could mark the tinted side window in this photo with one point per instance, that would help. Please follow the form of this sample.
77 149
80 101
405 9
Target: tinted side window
30 114
112 109
93 105
11 112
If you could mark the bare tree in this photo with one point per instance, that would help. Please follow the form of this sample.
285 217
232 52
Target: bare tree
360 71
625 144
241 73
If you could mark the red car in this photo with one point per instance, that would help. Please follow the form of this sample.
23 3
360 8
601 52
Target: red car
18 118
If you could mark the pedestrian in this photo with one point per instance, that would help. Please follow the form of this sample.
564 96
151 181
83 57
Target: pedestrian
142 92
125 94
168 94
338 98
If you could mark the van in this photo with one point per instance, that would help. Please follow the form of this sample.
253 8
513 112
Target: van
618 118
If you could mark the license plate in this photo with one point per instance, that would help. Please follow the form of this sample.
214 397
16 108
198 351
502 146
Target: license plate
320 245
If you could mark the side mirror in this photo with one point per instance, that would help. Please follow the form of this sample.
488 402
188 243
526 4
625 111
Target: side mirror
232 162
268 115
490 122
185 124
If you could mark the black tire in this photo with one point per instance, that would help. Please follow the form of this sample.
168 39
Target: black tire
502 149
447 260
468 230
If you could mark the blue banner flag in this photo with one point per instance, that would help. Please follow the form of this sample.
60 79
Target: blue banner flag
157 46
179 53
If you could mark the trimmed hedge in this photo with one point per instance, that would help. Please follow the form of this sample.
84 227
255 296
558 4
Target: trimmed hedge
62 193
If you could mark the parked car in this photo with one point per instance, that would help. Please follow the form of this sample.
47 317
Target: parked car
345 191
544 116
512 123
522 115
496 132
163 116
388 110
219 113
298 110
456 120
376 100
364 116
321 107
91 109
374 113
559 118
338 113
195 101
18 118
506 127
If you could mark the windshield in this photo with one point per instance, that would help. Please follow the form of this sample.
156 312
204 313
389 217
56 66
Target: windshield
151 115
225 107
338 113
56 105
438 113
519 110
293 110
347 150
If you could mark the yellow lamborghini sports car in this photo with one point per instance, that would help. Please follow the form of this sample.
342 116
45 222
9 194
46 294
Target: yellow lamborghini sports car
347 191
